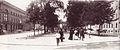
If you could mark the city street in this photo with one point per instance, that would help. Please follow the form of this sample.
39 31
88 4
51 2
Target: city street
23 41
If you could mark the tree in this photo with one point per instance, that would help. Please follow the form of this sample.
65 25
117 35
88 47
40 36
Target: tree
73 11
34 12
105 14
42 12
51 19
89 13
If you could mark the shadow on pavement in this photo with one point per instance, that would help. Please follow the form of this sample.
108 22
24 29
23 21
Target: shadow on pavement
32 36
26 44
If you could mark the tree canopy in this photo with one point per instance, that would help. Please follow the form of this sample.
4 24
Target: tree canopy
83 13
42 12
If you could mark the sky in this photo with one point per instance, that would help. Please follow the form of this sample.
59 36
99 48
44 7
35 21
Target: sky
23 4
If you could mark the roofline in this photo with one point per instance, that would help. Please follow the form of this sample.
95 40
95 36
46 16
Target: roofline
12 6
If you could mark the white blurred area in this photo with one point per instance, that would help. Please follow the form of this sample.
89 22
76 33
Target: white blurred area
61 13
20 3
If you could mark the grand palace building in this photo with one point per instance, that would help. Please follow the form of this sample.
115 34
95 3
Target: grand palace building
12 18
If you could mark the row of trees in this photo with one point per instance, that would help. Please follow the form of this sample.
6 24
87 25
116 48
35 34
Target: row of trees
84 13
90 13
78 14
42 12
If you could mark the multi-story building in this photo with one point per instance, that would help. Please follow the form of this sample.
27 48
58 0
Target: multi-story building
12 18
114 26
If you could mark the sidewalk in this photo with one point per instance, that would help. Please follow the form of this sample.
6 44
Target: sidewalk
46 41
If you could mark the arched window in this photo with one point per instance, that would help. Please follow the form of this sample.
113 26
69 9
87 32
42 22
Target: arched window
6 11
116 25
109 25
112 26
6 15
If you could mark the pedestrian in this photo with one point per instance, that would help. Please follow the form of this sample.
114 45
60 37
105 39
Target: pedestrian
82 35
61 35
1 32
77 33
57 38
71 34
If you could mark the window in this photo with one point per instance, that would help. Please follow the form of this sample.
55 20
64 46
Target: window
108 30
5 17
6 11
111 31
11 13
17 15
116 25
109 25
106 25
112 26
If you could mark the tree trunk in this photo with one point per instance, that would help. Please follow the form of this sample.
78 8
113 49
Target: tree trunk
44 29
34 29
38 28
100 28
52 30
38 31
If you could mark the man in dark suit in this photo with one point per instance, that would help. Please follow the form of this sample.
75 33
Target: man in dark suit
61 35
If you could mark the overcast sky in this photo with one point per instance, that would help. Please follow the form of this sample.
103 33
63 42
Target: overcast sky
23 4
20 3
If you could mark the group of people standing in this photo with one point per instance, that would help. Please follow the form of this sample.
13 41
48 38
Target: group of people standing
79 33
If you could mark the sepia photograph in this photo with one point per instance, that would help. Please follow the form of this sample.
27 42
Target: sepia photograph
59 24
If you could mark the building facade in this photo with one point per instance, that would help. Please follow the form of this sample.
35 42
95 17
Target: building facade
12 18
114 27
